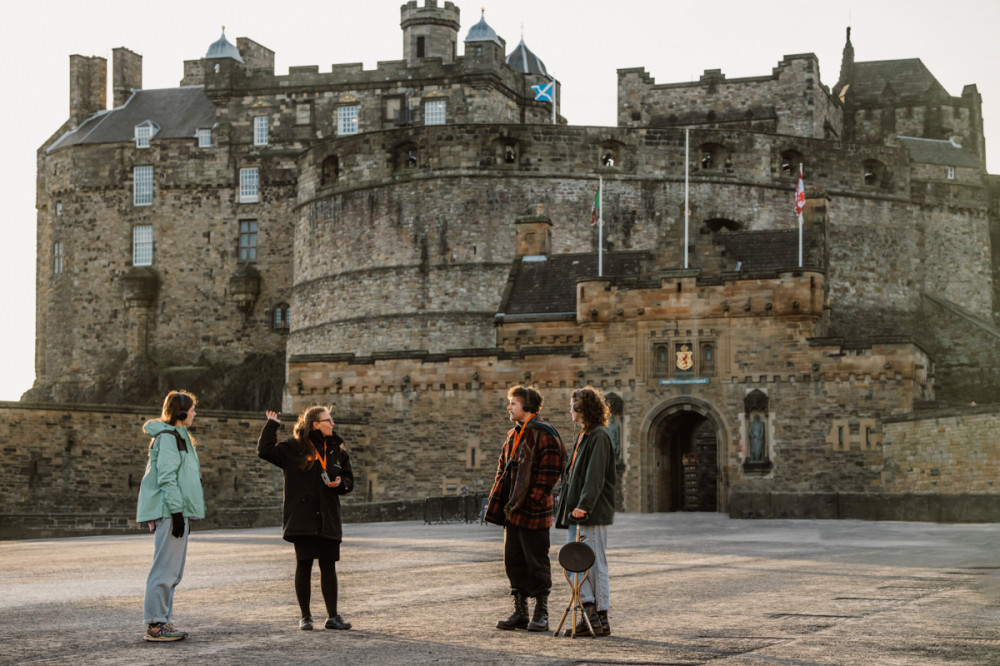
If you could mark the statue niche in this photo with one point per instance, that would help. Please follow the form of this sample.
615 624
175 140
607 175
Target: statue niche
758 460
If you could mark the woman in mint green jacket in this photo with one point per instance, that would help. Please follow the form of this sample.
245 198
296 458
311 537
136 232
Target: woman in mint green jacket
169 495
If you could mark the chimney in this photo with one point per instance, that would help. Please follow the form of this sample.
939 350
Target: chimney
88 87
534 234
126 74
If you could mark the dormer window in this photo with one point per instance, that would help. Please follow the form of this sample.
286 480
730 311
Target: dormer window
144 131
204 138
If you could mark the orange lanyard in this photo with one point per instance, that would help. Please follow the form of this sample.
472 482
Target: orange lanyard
517 438
320 458
576 448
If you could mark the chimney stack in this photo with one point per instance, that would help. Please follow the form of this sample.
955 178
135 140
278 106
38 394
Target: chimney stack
126 74
88 87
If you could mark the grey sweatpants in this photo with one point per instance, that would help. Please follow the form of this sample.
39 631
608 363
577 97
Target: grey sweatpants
169 554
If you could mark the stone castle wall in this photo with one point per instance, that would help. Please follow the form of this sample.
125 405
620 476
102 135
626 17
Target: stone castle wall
431 239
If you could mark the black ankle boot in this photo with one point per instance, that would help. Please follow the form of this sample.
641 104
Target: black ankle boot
605 627
581 626
519 618
540 617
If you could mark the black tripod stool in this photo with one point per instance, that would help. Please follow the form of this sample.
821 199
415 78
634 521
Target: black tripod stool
576 557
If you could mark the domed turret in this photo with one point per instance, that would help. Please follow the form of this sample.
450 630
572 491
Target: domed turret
223 49
482 32
522 60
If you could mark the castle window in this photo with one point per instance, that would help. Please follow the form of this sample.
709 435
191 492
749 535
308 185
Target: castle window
204 138
58 257
347 120
142 245
249 185
303 113
248 240
330 170
394 113
260 134
707 362
661 365
142 186
711 155
874 173
420 47
610 154
950 172
435 112
143 133
280 319
790 161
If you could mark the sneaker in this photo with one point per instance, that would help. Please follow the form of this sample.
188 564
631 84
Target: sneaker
337 622
306 623
163 631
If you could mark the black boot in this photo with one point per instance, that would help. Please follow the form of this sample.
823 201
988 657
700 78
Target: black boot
581 627
540 617
605 627
519 618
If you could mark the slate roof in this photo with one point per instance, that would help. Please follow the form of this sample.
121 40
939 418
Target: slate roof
522 60
482 32
549 286
178 112
937 151
909 80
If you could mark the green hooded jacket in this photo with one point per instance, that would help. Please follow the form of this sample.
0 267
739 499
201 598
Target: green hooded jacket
172 482
589 483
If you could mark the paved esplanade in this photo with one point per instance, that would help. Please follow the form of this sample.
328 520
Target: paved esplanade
686 589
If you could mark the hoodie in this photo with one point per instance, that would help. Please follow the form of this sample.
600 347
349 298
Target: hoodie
172 482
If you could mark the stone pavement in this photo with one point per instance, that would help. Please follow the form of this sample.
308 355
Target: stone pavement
686 589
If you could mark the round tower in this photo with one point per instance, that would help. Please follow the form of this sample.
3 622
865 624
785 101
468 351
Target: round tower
429 31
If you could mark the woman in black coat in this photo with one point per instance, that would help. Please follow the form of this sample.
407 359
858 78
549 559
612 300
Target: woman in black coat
317 472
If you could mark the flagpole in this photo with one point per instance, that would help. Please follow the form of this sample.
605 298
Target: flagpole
800 223
553 100
687 161
600 227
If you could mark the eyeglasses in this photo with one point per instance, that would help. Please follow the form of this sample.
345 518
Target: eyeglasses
322 420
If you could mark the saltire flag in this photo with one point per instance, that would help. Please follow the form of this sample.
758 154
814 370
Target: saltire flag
597 207
800 196
544 91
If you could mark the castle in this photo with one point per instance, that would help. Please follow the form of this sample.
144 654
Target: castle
405 243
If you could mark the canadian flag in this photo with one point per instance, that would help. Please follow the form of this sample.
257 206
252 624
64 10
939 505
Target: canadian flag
800 196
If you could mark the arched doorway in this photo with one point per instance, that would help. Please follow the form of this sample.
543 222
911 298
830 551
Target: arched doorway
686 443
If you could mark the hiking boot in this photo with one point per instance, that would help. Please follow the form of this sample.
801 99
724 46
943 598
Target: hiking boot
519 618
581 627
605 627
163 631
337 622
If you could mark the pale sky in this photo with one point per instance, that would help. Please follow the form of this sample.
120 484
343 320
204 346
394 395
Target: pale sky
582 42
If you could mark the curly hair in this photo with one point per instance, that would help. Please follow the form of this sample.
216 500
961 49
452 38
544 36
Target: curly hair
176 406
531 399
590 404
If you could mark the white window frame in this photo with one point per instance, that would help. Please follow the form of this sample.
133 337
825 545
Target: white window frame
249 185
205 138
58 257
260 131
142 245
248 230
950 172
143 133
347 120
435 112
142 186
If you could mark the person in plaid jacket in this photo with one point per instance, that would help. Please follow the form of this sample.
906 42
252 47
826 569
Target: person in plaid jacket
531 460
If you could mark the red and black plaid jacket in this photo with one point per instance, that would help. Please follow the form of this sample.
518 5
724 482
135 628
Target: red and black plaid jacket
548 457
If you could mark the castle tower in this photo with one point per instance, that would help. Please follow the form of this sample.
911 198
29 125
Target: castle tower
126 74
482 42
429 31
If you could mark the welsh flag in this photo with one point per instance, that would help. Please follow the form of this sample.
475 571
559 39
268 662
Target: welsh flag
597 207
800 196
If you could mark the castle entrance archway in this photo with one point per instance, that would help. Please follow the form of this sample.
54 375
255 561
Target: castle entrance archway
686 442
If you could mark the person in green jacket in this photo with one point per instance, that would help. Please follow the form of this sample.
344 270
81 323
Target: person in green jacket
587 501
170 494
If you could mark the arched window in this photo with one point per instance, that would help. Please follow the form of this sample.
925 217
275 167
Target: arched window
610 155
874 173
279 318
407 156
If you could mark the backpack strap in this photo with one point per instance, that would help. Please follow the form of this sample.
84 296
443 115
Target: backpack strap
181 444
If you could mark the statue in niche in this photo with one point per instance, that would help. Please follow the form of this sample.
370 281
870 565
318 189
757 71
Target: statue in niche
757 439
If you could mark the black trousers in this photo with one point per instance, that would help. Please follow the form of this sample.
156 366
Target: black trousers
526 560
